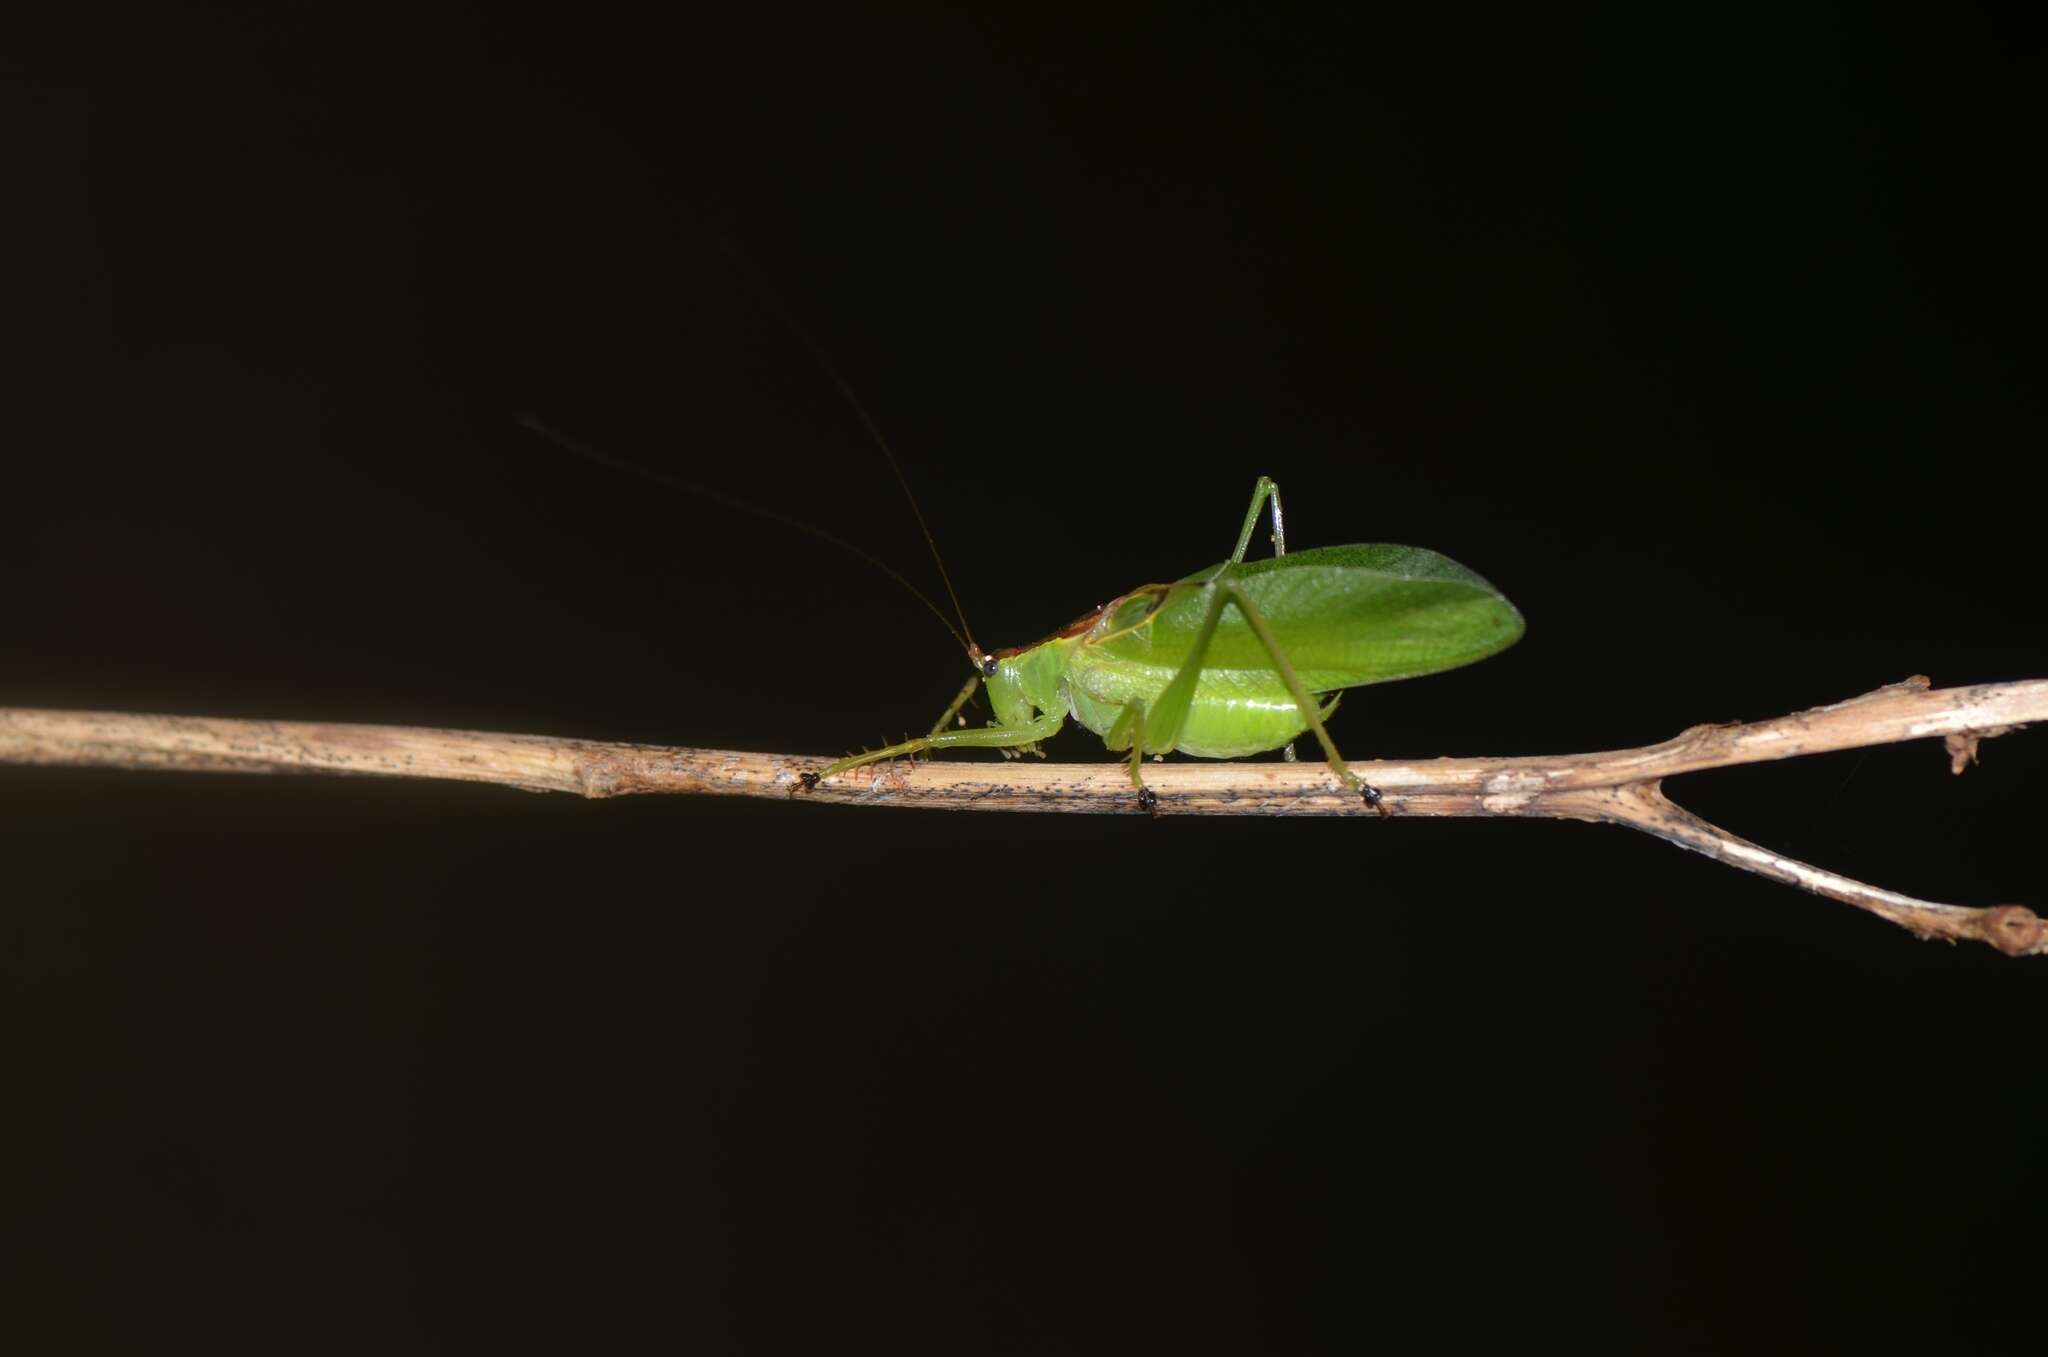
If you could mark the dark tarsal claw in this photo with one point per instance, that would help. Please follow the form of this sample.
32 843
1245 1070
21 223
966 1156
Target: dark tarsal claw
809 781
1148 800
1371 796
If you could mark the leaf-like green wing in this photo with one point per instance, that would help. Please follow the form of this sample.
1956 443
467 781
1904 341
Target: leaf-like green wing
1345 615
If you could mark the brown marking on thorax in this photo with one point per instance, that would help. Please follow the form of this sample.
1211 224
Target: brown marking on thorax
1077 627
1085 623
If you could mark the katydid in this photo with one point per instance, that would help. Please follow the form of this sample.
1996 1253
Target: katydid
1232 660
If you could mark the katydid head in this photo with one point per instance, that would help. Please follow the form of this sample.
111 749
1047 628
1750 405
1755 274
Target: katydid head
1006 699
1024 682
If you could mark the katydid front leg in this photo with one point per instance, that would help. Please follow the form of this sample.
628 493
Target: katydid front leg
967 693
979 737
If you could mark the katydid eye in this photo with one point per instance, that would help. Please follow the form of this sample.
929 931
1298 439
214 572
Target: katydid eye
988 667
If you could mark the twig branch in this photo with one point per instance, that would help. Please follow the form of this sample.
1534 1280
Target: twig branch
1616 787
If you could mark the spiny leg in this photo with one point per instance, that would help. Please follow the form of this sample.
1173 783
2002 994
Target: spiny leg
980 737
809 780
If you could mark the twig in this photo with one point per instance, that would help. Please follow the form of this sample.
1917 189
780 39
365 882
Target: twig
1616 787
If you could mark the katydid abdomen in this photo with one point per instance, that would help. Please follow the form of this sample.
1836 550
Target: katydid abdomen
1229 719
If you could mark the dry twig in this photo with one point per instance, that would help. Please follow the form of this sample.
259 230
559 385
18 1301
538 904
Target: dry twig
1617 787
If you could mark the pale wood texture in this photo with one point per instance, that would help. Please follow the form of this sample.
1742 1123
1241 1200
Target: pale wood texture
1616 787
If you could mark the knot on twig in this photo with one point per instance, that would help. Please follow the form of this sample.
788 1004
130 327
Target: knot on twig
2013 929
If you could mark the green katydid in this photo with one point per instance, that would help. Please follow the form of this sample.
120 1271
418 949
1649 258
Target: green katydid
1231 660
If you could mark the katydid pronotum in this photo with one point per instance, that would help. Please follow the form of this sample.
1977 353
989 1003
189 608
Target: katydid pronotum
1233 660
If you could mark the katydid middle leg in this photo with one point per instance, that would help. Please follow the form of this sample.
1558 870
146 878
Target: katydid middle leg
1147 798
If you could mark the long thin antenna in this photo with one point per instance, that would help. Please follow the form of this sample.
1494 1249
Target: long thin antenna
824 360
675 482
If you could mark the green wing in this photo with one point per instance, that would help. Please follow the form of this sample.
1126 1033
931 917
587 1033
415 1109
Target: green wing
1345 615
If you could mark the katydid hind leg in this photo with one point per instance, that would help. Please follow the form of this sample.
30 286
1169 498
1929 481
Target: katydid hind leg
1267 491
1169 713
1303 700
1158 730
1280 549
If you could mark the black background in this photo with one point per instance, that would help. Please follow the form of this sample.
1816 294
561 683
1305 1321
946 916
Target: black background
1712 338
